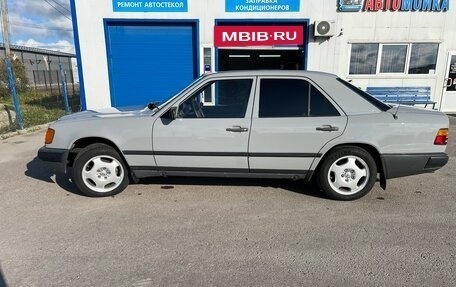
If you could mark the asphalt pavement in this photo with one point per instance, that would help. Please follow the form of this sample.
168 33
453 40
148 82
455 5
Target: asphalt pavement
221 232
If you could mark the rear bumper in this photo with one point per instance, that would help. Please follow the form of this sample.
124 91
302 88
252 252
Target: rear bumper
53 155
398 165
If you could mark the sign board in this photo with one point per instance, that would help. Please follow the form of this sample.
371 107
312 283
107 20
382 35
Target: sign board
150 6
262 5
350 5
394 5
242 36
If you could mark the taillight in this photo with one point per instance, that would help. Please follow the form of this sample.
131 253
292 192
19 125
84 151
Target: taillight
442 137
49 136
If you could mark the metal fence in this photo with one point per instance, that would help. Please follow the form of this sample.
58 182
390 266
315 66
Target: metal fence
47 99
51 82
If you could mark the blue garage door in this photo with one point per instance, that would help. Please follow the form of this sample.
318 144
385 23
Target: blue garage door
149 62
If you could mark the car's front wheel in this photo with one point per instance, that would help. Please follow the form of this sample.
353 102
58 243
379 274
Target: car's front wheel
347 173
98 170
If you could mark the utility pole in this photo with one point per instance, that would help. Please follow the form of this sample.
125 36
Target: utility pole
9 69
5 24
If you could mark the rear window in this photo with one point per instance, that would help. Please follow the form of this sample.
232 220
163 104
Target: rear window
377 103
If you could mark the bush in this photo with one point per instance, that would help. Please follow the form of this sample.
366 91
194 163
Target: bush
20 76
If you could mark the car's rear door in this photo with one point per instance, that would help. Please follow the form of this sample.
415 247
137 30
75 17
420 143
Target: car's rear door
207 138
292 120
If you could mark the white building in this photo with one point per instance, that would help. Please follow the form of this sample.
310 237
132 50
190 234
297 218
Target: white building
134 52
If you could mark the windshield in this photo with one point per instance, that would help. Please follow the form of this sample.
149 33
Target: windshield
197 80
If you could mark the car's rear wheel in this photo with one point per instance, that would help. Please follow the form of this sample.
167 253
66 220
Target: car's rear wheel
347 173
98 170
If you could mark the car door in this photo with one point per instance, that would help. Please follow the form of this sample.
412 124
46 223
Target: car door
207 138
292 120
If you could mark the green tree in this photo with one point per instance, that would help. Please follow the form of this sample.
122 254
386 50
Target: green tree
20 76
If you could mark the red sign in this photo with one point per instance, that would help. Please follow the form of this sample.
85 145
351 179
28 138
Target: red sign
241 36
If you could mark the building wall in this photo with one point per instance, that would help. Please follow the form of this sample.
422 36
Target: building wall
324 54
398 27
37 63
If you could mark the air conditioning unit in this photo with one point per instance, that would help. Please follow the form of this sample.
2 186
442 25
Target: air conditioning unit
324 28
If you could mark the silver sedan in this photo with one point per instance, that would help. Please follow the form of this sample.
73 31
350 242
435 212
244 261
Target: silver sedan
265 124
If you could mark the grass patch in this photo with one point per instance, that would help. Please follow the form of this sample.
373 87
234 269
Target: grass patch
34 115
39 108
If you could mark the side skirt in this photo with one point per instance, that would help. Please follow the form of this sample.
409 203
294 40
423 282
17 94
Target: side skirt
144 172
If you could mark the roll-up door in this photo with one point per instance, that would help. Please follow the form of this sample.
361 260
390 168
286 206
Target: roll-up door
149 61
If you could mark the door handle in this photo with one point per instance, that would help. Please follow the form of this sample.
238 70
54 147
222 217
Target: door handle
237 129
448 82
327 128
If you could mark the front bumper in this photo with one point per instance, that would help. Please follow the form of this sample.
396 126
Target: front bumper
53 155
399 165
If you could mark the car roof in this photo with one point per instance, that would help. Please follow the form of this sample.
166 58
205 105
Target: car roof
349 101
274 73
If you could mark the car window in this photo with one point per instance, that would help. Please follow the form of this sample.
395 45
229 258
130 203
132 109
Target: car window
280 98
320 106
231 98
283 98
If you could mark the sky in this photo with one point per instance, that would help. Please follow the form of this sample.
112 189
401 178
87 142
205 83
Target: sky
44 24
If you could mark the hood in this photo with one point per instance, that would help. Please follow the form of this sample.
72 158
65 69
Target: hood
106 113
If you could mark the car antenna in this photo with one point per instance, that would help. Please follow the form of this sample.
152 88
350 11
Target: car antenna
397 110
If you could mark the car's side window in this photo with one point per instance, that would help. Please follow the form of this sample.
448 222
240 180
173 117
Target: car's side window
282 98
231 100
320 106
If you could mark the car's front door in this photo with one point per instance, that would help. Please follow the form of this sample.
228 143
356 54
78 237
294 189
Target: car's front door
207 138
292 121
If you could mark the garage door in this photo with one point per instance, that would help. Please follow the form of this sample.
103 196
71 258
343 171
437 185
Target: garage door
149 62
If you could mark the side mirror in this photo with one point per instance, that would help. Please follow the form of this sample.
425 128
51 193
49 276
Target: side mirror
171 114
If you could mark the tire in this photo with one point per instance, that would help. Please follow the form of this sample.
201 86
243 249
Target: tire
98 171
347 173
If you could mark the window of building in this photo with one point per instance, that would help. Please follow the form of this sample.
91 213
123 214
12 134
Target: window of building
408 58
393 58
288 98
363 59
423 58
